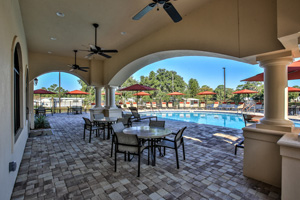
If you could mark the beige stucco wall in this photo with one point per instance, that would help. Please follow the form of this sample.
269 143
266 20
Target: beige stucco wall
11 32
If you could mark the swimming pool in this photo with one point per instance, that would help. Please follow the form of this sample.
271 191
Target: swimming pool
229 120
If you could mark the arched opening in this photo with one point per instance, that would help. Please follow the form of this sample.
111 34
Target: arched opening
17 91
60 83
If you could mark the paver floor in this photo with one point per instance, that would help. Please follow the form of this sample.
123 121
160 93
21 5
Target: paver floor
64 166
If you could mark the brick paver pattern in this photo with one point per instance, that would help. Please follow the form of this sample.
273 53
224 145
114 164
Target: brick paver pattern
64 166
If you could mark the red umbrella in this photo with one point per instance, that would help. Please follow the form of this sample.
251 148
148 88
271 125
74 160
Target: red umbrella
41 91
137 87
206 93
293 73
175 93
292 89
142 94
77 92
245 91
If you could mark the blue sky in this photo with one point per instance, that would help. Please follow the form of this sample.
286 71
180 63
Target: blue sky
207 70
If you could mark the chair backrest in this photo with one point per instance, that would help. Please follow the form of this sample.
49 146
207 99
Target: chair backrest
135 114
118 127
179 136
127 104
148 105
240 106
125 119
134 104
216 104
160 124
170 104
181 104
202 105
87 121
163 104
196 105
98 116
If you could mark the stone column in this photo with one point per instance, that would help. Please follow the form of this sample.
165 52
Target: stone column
113 96
98 97
107 96
275 90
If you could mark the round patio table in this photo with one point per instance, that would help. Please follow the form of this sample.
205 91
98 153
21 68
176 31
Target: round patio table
108 121
151 133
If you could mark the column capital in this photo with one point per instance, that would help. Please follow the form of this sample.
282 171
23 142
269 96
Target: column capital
282 58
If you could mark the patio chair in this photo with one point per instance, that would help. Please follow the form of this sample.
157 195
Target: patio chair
223 106
240 107
230 106
41 111
125 143
181 105
187 105
259 107
126 120
128 104
174 144
163 105
91 127
202 105
170 105
158 124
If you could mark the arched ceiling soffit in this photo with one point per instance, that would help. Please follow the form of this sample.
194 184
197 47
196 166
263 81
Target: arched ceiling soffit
123 74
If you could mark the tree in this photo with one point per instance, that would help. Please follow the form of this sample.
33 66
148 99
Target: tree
90 98
193 87
254 85
220 93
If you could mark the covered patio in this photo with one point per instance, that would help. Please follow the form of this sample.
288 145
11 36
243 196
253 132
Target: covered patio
64 166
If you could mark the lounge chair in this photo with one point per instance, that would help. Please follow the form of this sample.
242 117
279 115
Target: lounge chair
170 105
187 105
195 106
215 105
163 105
137 117
128 105
134 104
222 106
154 105
240 107
148 105
230 106
181 105
202 105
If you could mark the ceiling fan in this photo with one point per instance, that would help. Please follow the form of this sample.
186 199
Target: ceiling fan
75 66
94 49
169 8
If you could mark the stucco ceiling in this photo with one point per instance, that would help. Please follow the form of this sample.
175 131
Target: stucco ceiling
75 30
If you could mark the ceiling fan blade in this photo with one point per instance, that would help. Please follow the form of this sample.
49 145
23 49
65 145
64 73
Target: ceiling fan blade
93 47
82 69
105 55
89 55
172 12
144 11
110 51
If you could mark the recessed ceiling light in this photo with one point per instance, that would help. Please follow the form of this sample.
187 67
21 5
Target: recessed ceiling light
53 38
60 14
123 33
50 52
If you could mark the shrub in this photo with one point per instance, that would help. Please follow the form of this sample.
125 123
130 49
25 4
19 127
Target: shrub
41 122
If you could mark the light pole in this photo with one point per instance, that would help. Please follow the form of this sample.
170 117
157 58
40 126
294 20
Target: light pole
224 84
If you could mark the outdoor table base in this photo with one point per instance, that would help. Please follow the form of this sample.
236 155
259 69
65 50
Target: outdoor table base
108 121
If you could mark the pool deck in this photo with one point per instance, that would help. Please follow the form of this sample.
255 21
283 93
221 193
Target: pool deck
64 166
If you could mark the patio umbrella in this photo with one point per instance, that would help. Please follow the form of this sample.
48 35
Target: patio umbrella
245 91
137 87
139 94
293 73
77 92
206 93
175 94
41 91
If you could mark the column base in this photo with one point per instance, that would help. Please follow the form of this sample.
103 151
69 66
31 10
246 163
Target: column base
95 110
290 152
112 112
276 124
262 160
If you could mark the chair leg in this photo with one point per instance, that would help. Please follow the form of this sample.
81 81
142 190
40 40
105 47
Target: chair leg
149 149
112 146
90 138
84 133
115 158
139 163
183 150
176 151
124 156
235 149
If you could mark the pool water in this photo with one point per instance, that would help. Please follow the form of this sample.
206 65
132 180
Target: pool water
229 120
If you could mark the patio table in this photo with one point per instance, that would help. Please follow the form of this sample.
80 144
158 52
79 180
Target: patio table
151 133
108 121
